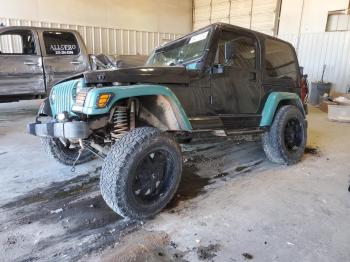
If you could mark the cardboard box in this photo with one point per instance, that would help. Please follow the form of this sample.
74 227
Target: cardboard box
324 105
339 113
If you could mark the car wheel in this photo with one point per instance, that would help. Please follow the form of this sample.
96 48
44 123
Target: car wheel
141 173
285 142
65 153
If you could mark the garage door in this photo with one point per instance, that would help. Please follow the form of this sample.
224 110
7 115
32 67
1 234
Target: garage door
259 15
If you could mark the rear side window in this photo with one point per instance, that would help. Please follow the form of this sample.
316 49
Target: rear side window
60 43
17 42
280 60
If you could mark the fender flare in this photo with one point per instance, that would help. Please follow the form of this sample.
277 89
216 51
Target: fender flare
272 103
124 92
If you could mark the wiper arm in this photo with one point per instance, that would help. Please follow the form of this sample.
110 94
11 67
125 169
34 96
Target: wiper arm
178 63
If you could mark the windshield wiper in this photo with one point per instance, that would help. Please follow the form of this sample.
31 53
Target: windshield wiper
178 63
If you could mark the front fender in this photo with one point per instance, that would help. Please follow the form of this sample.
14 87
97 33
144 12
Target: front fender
123 92
272 102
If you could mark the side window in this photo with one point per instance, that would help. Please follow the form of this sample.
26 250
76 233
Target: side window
279 60
236 50
17 42
60 43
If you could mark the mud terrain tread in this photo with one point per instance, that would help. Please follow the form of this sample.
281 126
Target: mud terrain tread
272 140
54 151
114 176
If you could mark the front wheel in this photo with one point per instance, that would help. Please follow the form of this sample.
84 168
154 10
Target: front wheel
141 173
285 142
66 154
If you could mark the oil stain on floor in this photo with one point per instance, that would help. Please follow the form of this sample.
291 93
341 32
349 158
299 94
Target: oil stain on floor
68 220
76 211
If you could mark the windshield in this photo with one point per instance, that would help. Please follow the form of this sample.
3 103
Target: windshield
188 49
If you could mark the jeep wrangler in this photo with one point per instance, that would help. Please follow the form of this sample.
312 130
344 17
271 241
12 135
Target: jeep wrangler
221 79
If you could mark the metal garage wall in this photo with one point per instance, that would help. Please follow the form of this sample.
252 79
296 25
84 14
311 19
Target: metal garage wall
258 15
331 49
106 40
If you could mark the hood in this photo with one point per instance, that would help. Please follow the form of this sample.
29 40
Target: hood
154 75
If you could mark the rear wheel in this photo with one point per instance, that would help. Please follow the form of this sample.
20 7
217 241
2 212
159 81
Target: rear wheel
286 140
141 173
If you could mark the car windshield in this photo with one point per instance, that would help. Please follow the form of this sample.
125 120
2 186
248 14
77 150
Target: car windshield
188 49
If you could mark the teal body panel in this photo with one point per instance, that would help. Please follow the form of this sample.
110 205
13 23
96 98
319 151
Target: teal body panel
272 103
122 92
62 96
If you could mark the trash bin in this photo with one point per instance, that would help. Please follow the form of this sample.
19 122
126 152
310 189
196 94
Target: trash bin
318 89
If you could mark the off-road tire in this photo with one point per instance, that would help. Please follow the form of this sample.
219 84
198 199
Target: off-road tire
118 171
56 150
273 140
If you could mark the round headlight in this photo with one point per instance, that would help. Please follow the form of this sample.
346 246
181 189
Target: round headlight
77 89
79 86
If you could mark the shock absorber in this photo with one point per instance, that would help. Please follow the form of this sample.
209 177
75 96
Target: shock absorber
120 121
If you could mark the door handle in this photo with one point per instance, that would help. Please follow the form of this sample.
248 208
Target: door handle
31 63
75 62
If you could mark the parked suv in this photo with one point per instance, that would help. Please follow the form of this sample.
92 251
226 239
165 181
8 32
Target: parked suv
220 79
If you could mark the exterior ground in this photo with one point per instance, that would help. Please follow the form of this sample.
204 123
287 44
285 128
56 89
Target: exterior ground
232 205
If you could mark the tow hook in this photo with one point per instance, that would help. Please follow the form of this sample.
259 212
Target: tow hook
76 160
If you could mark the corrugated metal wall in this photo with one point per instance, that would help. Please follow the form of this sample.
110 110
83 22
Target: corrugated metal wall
107 40
329 48
259 15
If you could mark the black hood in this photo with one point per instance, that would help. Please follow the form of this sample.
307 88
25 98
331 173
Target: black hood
154 75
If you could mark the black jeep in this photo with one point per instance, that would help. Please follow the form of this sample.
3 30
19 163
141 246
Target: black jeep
221 79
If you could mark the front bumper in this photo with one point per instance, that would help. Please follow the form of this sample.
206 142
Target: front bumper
69 130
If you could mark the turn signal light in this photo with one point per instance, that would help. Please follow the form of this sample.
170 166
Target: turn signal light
103 100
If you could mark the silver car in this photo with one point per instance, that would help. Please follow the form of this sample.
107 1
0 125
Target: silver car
33 59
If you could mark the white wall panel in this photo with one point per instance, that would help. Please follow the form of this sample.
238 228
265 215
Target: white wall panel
331 49
258 15
144 15
263 15
202 13
240 13
107 40
220 11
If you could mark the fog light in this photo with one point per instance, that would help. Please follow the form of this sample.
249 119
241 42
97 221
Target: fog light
61 117
103 100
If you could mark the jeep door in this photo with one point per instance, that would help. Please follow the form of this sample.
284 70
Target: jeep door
64 54
236 79
21 71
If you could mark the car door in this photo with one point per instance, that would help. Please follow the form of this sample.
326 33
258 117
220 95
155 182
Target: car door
236 80
21 71
64 55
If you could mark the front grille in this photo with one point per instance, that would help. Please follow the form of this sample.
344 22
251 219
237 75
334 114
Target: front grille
62 97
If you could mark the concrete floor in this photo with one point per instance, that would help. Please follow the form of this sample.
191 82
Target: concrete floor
232 205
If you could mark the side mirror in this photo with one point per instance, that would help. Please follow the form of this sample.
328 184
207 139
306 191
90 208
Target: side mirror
229 51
